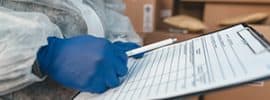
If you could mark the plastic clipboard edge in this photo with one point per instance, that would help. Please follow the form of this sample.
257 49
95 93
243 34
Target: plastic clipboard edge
261 39
245 25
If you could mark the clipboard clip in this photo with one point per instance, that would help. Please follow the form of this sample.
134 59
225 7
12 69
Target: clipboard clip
260 37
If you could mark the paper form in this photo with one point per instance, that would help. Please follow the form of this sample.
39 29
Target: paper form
224 58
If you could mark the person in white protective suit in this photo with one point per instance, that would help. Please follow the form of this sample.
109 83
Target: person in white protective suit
79 44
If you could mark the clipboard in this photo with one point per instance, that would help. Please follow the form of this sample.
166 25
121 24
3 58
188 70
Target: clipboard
262 40
259 37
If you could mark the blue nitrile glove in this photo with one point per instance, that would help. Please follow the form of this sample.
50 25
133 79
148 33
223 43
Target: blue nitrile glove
85 63
126 46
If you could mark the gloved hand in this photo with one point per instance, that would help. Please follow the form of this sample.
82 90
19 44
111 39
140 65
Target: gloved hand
126 46
85 63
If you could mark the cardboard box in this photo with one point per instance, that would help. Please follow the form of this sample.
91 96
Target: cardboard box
143 14
185 7
166 9
191 8
247 92
263 29
216 10
152 21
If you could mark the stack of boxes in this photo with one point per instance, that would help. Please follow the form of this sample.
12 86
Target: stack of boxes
147 15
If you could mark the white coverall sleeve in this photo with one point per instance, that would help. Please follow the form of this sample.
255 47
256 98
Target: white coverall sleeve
117 26
21 35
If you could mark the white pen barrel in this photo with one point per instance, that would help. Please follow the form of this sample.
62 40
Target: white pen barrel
150 47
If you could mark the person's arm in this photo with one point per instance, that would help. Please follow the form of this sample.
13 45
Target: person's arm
21 36
117 26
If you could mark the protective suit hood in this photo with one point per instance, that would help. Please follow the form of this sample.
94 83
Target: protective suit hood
75 17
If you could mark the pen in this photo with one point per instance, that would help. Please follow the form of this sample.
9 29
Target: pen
151 47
